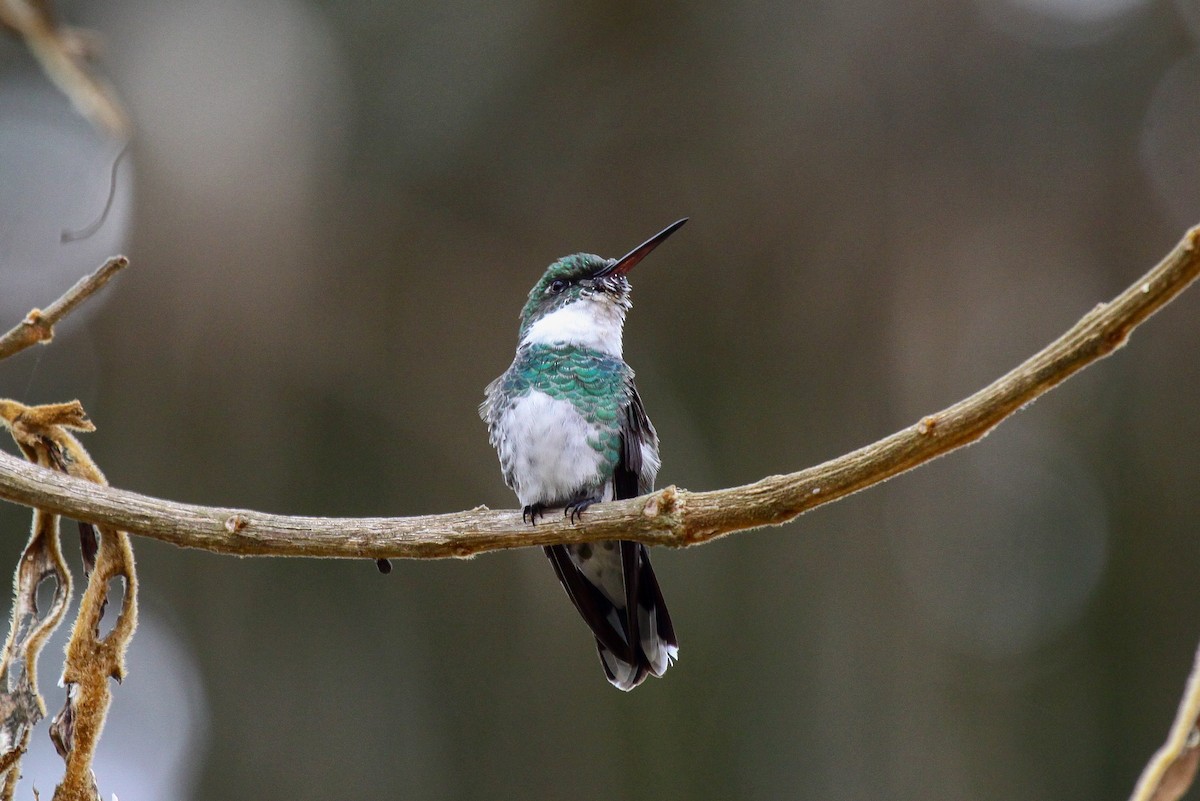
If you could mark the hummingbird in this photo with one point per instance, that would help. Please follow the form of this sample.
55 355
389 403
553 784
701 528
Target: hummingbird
570 429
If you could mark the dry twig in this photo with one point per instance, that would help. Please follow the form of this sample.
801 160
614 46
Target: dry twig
63 54
1170 772
38 325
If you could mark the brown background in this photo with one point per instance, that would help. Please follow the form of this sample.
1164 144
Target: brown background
334 211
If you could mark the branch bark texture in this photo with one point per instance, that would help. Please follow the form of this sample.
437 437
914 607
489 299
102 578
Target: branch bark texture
670 516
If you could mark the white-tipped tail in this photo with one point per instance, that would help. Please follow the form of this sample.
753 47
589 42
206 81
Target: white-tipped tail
614 588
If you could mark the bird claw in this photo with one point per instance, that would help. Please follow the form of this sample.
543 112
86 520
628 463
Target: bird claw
531 512
575 509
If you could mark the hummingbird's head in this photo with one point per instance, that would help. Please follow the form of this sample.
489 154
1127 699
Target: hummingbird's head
582 299
576 281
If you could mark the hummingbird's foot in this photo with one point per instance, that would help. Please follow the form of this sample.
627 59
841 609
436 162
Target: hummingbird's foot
575 509
531 513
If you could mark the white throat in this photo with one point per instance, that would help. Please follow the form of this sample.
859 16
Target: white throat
584 323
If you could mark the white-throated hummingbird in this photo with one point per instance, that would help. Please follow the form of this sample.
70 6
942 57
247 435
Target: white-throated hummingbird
570 430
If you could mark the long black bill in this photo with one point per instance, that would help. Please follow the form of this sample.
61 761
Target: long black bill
630 259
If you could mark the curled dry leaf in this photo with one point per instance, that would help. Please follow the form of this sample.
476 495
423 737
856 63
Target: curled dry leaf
43 436
21 705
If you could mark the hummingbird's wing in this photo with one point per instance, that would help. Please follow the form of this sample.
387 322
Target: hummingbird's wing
496 399
648 622
638 464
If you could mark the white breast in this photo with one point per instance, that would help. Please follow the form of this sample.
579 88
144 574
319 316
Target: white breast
587 323
544 445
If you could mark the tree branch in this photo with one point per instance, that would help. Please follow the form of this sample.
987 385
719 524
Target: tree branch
38 325
63 54
670 516
1169 773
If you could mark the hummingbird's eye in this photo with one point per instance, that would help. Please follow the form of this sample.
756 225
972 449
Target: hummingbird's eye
556 286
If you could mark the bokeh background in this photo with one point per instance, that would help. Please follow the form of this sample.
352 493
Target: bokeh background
334 211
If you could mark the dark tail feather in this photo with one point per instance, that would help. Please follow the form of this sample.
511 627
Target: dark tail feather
634 639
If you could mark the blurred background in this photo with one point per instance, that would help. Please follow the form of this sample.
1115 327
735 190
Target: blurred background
334 212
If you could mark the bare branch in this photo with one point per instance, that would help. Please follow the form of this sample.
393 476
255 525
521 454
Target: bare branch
1170 772
670 516
38 325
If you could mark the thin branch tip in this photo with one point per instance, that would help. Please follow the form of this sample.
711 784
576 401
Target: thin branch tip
38 326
